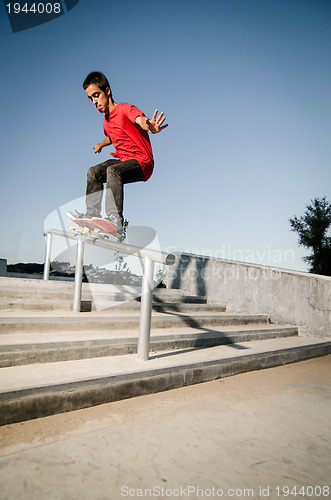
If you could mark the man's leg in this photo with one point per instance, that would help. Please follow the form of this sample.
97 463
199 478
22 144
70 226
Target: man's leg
96 177
118 174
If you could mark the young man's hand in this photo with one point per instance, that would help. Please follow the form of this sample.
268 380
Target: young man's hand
99 145
154 125
97 148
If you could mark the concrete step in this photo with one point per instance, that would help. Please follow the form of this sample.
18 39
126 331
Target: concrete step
121 320
37 390
50 295
46 304
39 286
18 349
101 303
39 295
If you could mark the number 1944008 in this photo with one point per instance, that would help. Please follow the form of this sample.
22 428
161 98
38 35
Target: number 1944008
303 491
34 8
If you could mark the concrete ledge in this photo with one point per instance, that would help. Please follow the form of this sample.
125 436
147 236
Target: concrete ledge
289 297
49 324
47 398
65 350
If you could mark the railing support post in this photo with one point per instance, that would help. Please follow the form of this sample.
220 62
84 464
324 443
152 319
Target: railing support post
47 264
146 310
78 276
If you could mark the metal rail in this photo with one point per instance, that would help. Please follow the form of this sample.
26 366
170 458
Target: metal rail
149 256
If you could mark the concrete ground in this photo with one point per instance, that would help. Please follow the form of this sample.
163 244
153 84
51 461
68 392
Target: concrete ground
262 434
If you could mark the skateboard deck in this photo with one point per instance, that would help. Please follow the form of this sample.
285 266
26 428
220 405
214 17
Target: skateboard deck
105 226
93 227
81 222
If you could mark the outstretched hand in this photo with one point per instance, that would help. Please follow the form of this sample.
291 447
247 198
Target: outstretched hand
155 125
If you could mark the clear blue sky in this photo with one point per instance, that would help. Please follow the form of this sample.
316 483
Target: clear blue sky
245 86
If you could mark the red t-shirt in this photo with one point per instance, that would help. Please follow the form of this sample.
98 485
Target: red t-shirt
130 141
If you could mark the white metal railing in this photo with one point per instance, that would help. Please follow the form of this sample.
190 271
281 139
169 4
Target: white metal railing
148 255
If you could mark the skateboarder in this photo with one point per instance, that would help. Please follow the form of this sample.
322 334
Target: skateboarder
126 127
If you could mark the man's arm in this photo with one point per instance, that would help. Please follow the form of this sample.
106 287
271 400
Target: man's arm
154 125
98 147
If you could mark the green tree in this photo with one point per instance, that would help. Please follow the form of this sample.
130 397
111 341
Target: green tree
160 279
313 229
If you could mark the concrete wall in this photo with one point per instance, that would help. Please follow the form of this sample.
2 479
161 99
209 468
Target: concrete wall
3 267
302 299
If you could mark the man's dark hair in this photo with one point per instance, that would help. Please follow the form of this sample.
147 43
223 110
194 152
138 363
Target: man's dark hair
99 79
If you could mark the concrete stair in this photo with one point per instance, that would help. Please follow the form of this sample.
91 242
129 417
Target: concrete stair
53 360
38 295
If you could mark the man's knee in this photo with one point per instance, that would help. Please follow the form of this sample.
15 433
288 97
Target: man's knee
92 173
113 172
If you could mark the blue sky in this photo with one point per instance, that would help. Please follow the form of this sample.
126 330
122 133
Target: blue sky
245 86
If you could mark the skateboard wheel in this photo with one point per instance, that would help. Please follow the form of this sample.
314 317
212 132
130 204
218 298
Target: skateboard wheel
70 228
85 230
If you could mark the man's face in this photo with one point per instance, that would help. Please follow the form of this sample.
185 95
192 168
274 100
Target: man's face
98 97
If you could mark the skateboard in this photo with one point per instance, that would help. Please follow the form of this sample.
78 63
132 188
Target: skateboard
106 226
96 227
86 227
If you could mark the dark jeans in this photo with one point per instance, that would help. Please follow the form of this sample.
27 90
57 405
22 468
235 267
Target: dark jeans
113 173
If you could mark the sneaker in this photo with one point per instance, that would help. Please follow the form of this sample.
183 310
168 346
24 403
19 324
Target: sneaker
117 222
114 220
